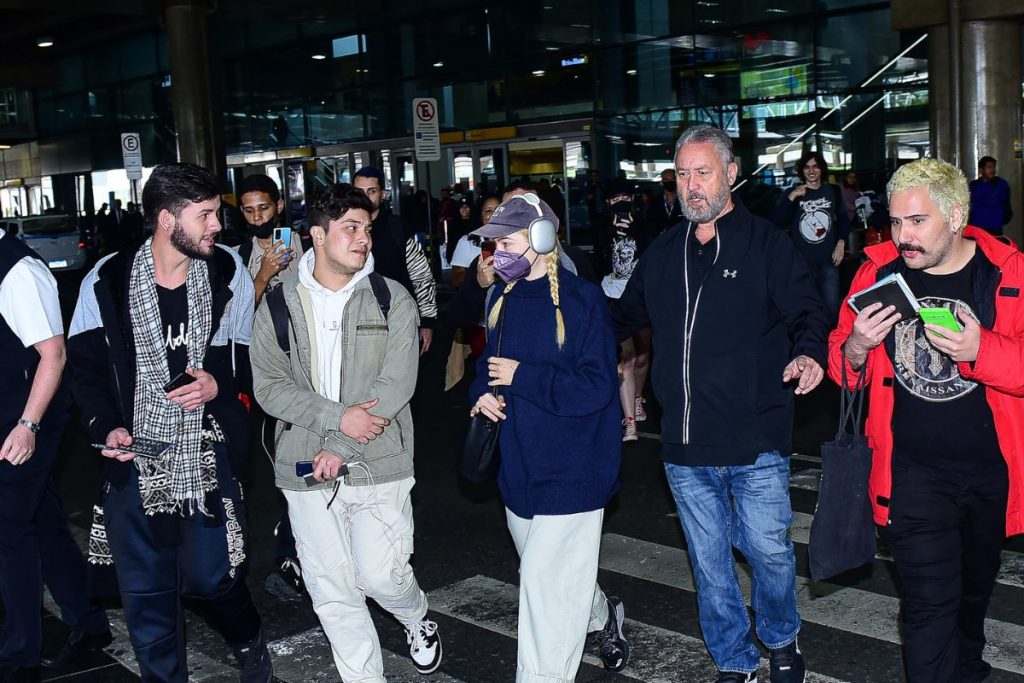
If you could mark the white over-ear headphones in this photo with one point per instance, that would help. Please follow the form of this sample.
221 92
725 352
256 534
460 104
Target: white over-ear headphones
543 234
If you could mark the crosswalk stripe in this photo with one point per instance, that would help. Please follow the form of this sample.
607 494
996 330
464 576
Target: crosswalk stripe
657 655
201 667
306 658
846 609
1011 573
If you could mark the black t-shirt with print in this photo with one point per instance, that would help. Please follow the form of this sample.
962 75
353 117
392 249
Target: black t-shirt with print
815 223
174 319
940 421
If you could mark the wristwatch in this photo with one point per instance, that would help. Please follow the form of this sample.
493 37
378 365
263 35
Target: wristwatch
30 425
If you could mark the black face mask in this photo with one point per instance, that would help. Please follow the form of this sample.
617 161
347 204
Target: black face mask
264 231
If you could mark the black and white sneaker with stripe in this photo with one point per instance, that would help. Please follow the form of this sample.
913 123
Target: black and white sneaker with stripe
736 677
424 645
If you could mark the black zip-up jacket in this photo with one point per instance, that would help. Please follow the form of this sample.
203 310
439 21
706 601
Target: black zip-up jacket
101 351
720 385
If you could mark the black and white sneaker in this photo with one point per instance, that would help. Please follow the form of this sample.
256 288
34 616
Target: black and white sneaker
254 664
611 642
736 677
787 664
424 646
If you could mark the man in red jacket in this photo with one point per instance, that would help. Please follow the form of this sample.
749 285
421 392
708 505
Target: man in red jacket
946 416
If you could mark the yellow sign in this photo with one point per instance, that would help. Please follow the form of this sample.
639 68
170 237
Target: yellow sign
490 133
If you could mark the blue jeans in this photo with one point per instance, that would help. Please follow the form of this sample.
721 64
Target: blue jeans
756 521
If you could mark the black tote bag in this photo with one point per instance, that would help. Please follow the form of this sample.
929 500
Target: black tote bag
480 455
843 531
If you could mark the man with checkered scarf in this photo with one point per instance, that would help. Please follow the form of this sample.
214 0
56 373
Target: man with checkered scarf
172 525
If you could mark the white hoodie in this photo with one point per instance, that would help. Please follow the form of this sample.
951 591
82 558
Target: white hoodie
328 308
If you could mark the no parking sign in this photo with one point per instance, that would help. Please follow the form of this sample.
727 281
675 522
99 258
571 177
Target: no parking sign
425 128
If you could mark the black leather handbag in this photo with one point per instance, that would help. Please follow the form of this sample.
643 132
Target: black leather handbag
480 456
843 531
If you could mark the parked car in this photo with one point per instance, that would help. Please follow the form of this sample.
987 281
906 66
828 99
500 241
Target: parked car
55 238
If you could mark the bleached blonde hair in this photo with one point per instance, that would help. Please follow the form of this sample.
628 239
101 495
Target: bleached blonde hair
946 184
551 260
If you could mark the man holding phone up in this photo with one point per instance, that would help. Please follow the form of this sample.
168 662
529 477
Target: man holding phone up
273 252
945 417
175 311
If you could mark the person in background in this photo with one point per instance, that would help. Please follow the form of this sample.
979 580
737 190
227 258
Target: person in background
815 214
270 263
468 247
622 242
990 198
414 271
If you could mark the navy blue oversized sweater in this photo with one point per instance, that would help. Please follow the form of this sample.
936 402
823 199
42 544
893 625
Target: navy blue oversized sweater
561 444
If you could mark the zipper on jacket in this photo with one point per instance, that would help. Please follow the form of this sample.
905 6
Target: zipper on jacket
688 323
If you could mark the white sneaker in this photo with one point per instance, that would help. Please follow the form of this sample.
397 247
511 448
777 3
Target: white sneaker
629 430
424 646
639 411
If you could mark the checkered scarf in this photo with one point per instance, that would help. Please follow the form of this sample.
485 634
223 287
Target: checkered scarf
179 480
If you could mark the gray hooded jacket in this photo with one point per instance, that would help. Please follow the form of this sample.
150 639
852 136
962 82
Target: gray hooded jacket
380 360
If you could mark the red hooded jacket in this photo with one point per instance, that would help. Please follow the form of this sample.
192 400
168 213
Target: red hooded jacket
999 368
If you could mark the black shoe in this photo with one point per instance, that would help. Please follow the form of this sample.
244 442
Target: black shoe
736 677
285 583
787 664
254 665
77 645
611 642
19 674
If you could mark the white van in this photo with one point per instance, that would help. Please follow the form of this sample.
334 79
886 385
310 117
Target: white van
55 238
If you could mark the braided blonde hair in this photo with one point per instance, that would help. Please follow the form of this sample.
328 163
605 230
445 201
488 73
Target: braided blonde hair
552 263
551 260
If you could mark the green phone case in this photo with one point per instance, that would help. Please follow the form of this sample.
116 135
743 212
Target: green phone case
940 316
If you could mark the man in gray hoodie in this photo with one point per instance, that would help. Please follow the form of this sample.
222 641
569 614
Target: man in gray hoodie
340 382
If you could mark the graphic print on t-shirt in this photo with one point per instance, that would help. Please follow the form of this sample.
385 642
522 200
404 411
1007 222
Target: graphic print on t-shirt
923 370
815 219
173 305
624 256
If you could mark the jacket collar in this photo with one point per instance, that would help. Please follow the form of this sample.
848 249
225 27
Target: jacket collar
996 249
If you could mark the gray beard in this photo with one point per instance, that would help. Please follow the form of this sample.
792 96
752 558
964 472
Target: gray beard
715 206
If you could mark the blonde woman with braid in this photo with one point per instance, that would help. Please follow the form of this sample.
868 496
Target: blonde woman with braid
556 397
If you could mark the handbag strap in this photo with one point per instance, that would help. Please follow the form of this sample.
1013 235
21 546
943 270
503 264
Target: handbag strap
501 332
851 402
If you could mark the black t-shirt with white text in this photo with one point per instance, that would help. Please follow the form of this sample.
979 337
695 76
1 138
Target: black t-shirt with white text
940 421
174 319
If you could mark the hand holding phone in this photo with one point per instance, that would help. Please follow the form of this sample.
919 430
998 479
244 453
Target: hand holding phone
183 379
284 236
487 249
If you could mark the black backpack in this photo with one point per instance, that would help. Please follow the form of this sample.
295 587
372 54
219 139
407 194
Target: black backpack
282 321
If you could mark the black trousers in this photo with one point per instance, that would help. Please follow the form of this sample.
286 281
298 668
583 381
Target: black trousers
36 547
163 559
946 538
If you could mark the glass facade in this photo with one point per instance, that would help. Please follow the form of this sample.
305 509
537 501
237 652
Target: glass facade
781 76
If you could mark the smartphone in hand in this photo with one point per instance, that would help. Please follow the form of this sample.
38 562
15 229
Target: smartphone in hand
284 236
182 380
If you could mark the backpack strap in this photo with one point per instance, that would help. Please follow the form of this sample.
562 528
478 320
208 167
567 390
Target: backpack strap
245 252
381 292
281 318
